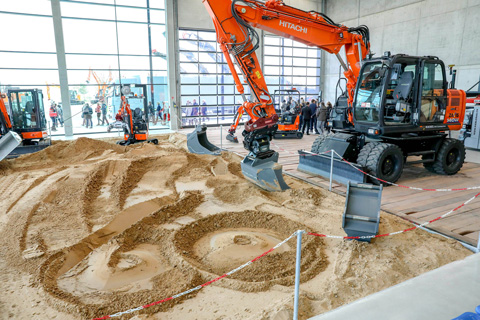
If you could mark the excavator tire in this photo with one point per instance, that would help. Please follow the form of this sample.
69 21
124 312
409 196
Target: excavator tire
317 144
365 152
383 160
450 157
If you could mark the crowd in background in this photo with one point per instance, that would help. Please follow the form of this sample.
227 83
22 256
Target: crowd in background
313 116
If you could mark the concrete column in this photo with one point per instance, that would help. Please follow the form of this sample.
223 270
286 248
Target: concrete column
62 67
172 63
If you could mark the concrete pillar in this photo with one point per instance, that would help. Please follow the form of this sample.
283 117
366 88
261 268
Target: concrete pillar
172 63
323 57
62 67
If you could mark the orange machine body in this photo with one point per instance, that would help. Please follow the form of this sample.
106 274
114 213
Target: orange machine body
455 112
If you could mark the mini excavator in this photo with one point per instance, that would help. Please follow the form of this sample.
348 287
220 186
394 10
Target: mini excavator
23 128
393 106
134 123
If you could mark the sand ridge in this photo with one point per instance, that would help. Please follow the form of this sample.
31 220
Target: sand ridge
92 228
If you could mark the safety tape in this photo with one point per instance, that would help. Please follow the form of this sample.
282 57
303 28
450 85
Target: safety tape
118 314
401 231
403 186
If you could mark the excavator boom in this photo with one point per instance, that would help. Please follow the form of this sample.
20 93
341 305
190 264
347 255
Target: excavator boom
234 22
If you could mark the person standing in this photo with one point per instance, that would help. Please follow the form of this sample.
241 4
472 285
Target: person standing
104 114
87 115
204 111
307 116
53 115
195 111
98 111
329 112
158 115
321 117
60 114
313 120
151 112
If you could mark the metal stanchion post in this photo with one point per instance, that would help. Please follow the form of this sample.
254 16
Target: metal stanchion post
221 138
478 244
331 171
297 274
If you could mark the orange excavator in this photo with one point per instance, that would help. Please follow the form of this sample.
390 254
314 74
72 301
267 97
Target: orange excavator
134 123
23 128
393 106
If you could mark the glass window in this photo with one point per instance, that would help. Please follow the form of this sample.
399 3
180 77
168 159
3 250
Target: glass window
433 102
369 91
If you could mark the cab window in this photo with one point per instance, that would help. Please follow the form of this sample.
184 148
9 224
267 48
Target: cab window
433 100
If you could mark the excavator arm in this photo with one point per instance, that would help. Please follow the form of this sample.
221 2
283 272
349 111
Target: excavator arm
234 21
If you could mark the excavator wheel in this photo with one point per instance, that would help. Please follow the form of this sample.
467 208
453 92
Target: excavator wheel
382 160
317 144
450 157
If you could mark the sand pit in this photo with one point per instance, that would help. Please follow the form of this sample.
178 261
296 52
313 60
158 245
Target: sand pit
90 228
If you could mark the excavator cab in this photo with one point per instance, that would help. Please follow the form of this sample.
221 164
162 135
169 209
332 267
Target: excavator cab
402 107
23 128
404 94
27 114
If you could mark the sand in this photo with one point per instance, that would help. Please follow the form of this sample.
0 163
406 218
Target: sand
90 228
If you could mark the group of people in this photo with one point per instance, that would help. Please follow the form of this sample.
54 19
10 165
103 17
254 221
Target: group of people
100 110
56 115
196 111
161 113
314 117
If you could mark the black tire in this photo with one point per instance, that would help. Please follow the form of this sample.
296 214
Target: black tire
383 160
317 144
450 157
299 135
364 152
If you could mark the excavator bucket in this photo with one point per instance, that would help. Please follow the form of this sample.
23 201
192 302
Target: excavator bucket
8 143
197 142
265 173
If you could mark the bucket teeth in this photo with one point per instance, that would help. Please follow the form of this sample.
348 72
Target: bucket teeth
197 142
265 173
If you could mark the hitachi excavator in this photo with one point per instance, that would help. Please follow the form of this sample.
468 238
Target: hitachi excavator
393 106
23 128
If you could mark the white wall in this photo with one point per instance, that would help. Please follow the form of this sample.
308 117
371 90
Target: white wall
444 28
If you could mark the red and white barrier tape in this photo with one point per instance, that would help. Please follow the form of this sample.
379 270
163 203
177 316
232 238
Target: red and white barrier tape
118 314
402 231
403 186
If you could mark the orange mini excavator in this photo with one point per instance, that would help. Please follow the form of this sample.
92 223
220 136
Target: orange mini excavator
23 128
134 123
394 106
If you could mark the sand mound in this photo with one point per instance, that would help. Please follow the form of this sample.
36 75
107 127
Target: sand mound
71 151
90 228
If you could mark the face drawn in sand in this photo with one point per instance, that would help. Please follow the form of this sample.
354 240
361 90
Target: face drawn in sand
218 244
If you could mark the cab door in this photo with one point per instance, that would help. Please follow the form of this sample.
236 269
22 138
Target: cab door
433 93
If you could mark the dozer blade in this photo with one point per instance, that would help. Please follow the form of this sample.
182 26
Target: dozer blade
197 142
8 143
265 173
319 164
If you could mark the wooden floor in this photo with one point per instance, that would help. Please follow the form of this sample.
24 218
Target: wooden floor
416 206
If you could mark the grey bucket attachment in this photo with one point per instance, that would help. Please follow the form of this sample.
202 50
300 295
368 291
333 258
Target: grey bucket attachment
362 210
319 164
8 143
265 173
197 142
